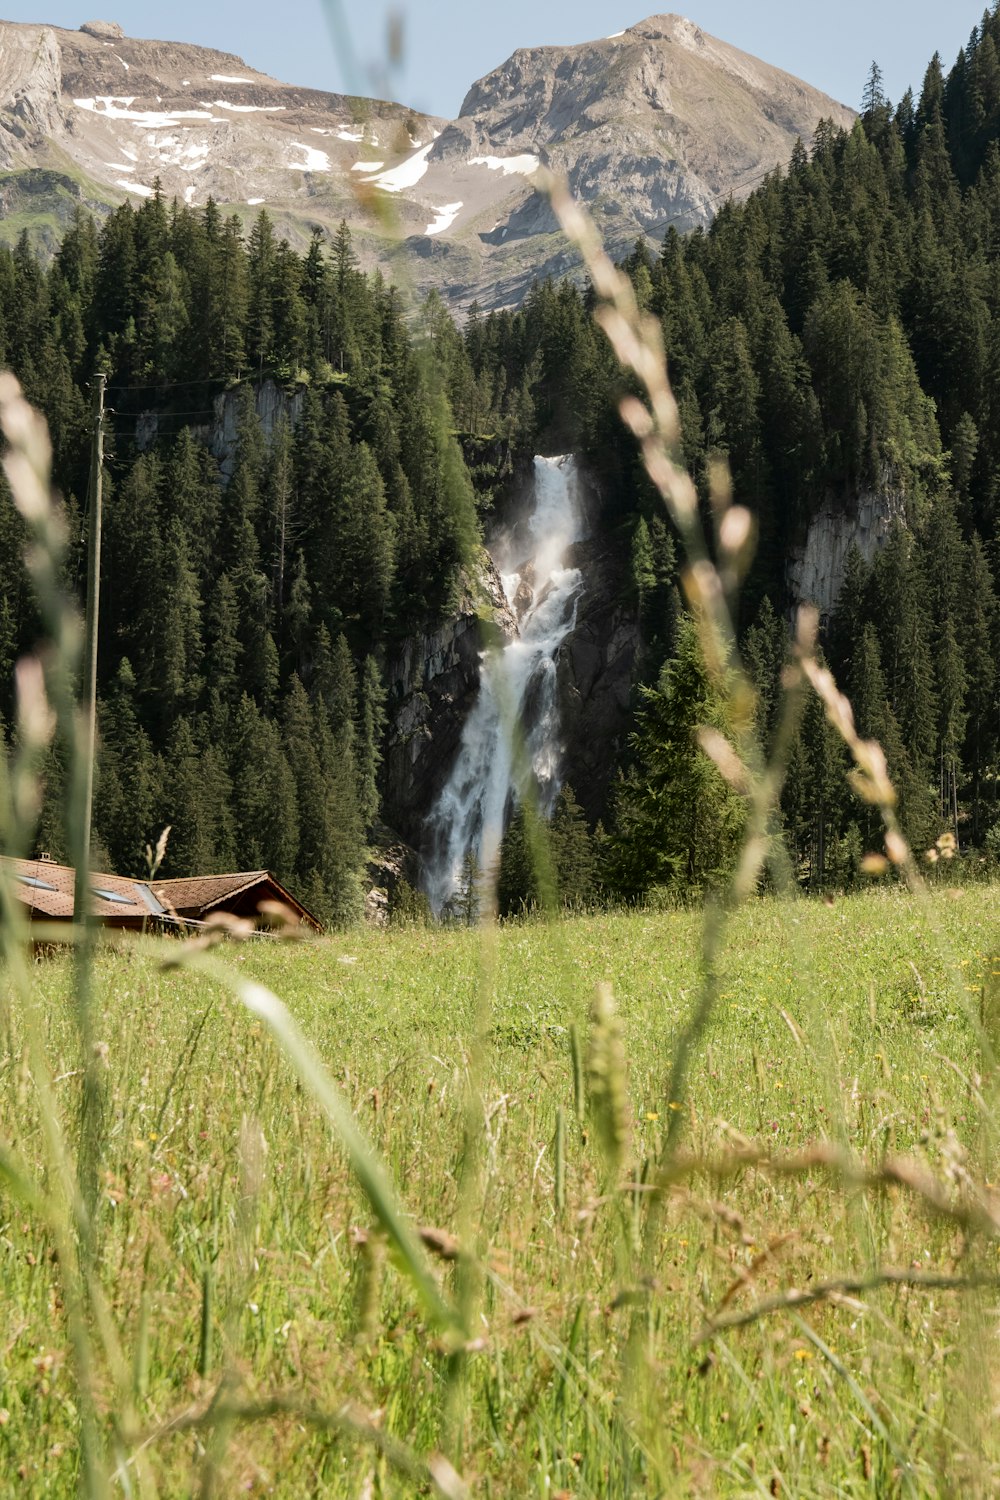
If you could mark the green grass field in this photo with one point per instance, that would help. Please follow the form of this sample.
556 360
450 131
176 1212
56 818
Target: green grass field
268 1342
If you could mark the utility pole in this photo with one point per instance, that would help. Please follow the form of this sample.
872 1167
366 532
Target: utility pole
92 1091
89 704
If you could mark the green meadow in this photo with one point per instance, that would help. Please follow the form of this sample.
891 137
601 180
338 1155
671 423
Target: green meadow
766 1308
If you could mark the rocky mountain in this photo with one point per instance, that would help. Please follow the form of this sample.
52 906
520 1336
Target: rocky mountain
105 116
653 126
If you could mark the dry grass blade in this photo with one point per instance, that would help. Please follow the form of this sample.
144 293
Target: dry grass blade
847 1286
17 1181
350 1420
655 421
66 1210
976 1209
748 1274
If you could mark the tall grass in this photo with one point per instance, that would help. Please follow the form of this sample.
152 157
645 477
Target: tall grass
271 1334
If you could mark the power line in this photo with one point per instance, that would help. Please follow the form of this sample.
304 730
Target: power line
167 385
159 416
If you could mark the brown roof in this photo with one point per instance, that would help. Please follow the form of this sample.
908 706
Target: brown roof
197 895
46 889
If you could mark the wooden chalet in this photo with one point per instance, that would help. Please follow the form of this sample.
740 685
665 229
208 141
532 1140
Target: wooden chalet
46 890
248 893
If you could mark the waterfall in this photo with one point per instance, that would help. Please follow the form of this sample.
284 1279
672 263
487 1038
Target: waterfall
518 705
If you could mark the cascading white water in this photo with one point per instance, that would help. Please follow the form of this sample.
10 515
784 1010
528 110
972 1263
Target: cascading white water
518 697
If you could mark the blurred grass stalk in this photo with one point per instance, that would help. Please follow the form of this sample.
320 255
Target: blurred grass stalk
52 679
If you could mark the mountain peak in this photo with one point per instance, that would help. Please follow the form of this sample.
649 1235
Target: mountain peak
652 127
669 27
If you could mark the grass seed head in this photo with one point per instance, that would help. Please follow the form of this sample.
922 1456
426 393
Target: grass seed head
606 1078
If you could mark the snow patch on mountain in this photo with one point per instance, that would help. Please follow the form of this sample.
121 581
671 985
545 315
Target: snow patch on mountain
315 160
523 166
173 151
445 218
114 107
227 78
407 174
247 109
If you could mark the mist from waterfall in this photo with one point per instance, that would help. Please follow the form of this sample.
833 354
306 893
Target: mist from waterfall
513 729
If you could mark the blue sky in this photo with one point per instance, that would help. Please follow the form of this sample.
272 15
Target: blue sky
448 44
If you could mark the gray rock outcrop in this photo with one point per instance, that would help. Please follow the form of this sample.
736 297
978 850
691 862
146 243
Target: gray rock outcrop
815 571
597 672
432 684
104 31
221 435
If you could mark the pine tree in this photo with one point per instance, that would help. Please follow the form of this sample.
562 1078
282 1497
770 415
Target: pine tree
873 99
572 851
643 565
371 729
312 856
951 720
346 845
516 883
172 618
977 626
904 636
677 823
261 271
279 504
265 805
814 799
127 790
366 543
222 659
765 651
195 794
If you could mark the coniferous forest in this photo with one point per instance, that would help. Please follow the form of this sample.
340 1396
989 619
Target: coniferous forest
835 335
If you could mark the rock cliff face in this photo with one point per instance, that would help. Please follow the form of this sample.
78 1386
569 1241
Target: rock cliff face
432 684
221 435
654 126
597 675
31 98
816 570
114 115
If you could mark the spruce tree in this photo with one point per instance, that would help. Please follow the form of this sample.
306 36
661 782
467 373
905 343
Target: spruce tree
264 800
370 732
677 823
